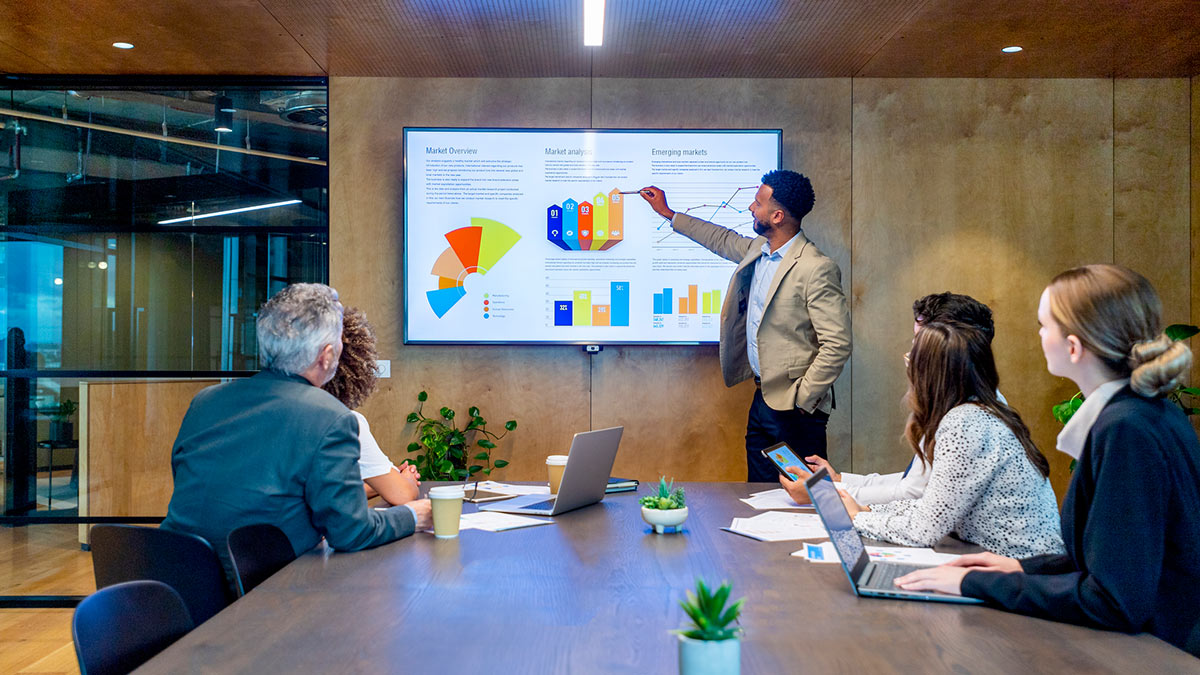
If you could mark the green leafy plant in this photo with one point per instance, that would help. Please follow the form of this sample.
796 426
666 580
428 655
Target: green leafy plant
66 410
447 449
668 497
1063 411
709 617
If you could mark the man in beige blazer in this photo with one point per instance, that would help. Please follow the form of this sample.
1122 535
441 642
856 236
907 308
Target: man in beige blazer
784 322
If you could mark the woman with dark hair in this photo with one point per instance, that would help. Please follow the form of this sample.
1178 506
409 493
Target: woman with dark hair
1131 517
988 481
354 381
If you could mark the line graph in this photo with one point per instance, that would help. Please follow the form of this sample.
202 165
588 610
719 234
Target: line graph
699 195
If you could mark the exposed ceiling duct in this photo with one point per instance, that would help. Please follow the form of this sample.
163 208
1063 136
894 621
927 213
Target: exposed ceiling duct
310 108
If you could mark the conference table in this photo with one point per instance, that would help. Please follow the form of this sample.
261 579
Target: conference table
599 592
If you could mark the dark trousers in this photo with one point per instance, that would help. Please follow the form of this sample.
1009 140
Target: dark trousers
803 432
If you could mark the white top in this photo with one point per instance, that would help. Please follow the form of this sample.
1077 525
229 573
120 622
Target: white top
981 486
1073 436
371 460
760 283
875 488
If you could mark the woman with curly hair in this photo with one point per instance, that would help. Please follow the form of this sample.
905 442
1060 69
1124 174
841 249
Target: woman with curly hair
352 385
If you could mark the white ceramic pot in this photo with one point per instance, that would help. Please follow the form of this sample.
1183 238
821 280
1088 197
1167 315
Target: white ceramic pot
709 657
663 518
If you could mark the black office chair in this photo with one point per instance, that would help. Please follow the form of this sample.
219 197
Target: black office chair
257 552
184 562
118 628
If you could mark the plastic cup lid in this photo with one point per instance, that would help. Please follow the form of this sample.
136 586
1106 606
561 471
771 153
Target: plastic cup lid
556 460
446 492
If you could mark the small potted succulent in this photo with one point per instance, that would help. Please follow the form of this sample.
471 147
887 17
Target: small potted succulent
711 646
665 509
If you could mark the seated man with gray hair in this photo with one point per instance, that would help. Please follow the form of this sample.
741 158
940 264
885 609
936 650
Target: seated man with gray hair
276 448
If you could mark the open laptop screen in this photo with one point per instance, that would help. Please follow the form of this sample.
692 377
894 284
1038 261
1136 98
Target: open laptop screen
837 520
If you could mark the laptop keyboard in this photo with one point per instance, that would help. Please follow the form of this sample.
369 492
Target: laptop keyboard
882 575
544 505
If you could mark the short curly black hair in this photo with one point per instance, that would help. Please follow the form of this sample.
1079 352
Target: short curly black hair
356 375
793 191
954 307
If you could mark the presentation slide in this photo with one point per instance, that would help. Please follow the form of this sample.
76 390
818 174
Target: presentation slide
538 236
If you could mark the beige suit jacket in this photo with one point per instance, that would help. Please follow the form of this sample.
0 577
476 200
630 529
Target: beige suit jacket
804 337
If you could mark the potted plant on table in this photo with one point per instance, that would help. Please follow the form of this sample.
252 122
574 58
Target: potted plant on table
447 453
61 428
711 645
666 508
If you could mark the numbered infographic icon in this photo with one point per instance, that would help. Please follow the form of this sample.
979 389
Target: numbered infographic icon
473 249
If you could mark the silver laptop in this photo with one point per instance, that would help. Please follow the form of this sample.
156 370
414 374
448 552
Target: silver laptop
867 577
584 479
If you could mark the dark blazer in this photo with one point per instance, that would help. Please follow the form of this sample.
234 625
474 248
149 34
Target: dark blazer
274 449
804 337
1131 525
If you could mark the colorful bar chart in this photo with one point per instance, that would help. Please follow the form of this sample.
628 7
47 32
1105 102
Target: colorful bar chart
595 225
690 302
580 310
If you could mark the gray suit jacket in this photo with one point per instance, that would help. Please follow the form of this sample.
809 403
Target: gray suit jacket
274 449
804 337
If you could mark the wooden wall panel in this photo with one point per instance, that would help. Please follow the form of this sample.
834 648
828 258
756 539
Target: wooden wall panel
983 187
126 458
1151 228
680 419
1195 221
544 388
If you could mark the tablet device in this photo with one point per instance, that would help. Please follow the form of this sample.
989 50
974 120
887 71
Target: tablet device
782 457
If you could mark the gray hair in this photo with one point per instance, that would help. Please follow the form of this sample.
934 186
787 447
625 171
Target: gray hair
295 324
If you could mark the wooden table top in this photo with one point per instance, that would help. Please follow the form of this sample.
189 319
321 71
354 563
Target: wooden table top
598 592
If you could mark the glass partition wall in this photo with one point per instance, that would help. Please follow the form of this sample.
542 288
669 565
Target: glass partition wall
142 224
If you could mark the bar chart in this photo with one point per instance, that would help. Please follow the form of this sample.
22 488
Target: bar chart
595 225
583 307
690 301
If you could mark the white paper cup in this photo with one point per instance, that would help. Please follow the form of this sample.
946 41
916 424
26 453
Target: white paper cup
447 502
554 467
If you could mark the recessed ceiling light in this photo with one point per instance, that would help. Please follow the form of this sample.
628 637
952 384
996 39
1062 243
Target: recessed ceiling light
123 45
102 265
58 281
1011 49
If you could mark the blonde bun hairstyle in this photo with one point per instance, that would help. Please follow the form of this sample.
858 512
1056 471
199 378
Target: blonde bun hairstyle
1117 315
1158 366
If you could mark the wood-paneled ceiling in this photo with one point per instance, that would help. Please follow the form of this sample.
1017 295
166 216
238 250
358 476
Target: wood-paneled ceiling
643 38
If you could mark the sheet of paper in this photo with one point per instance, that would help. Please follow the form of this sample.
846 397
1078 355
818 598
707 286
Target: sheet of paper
510 489
491 521
779 526
818 553
825 553
773 499
909 556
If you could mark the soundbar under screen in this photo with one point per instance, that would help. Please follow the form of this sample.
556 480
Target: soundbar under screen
525 236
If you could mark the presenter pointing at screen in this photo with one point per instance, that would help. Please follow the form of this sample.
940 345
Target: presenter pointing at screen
784 321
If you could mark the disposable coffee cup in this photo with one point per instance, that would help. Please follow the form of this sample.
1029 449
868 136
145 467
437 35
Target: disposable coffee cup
554 466
447 501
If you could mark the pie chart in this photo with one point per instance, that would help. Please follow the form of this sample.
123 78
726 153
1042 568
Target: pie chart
473 249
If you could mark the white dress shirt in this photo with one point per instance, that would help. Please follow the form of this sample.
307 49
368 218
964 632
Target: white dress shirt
764 272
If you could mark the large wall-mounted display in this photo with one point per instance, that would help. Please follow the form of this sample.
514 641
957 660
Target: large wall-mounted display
538 236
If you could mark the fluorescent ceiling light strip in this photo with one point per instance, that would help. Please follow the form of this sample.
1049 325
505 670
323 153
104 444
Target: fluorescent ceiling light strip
593 23
214 214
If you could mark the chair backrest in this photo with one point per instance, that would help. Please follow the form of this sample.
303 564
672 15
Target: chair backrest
184 562
257 552
118 628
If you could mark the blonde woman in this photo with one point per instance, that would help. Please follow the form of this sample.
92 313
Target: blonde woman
1131 518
